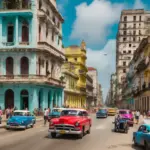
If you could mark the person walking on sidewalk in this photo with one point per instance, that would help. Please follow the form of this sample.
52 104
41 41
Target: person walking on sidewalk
1 113
46 113
137 116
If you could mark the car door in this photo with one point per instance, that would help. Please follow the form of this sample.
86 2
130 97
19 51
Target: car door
139 135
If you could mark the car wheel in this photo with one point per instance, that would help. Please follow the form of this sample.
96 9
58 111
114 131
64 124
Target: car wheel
89 131
146 146
53 135
81 134
32 125
135 144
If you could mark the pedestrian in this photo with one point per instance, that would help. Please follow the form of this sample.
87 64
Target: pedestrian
7 113
137 116
1 113
46 112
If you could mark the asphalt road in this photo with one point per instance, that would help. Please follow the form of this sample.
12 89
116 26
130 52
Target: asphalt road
101 138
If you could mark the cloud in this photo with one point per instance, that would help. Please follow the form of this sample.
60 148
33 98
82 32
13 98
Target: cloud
93 20
61 4
104 61
138 5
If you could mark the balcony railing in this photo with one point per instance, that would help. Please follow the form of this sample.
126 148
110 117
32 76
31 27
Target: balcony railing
15 5
38 79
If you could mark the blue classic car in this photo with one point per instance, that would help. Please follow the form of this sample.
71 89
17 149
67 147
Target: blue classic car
21 119
101 113
55 113
142 136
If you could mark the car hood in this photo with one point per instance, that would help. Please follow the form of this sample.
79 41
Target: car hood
17 119
67 120
126 116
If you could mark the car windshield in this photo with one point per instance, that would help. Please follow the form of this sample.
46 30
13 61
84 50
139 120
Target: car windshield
69 113
124 112
20 114
102 110
56 110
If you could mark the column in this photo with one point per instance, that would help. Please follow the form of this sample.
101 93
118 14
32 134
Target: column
1 29
17 98
16 29
51 98
45 98
60 99
35 99
2 98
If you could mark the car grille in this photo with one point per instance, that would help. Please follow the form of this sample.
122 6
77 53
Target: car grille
65 127
13 124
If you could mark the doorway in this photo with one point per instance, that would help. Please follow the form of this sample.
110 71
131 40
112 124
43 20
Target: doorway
24 99
10 33
9 99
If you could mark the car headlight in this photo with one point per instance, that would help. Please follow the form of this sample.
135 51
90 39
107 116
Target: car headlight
77 124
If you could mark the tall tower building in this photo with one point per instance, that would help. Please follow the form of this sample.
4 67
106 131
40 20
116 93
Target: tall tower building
134 25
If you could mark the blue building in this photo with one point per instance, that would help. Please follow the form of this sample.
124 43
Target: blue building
31 54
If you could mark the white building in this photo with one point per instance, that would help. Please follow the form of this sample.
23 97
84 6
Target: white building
134 25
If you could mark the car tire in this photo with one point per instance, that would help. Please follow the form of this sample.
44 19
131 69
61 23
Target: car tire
80 136
89 131
134 142
146 146
53 135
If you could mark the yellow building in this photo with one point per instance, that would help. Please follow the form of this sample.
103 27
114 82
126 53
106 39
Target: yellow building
76 58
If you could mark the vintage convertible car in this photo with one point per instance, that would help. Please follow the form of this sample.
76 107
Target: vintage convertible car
21 119
111 111
55 113
101 113
142 136
71 121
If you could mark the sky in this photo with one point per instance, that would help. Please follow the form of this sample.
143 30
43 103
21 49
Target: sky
96 22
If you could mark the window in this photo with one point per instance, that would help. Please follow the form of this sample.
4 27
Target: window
25 32
66 59
140 18
134 39
124 39
139 32
134 26
124 52
58 24
134 32
124 70
75 59
134 18
129 51
54 19
130 45
124 63
139 39
125 32
125 25
40 4
125 18
10 33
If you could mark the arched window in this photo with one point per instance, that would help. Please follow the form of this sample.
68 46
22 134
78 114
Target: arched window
9 66
9 99
24 66
25 32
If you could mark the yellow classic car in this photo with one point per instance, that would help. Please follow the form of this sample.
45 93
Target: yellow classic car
112 111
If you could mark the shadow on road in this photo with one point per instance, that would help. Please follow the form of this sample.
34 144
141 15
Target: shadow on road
63 137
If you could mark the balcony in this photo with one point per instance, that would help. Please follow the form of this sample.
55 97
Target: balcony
8 5
37 79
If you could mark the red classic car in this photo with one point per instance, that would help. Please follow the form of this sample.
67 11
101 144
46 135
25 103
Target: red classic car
71 121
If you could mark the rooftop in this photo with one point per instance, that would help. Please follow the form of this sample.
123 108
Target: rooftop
91 69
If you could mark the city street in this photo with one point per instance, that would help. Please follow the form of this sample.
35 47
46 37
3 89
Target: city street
101 137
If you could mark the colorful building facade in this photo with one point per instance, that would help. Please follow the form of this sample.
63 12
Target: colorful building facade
31 54
76 55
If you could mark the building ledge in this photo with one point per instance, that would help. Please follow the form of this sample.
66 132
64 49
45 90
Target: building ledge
37 79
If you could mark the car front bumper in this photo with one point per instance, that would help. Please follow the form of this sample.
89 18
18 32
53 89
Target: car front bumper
15 127
64 131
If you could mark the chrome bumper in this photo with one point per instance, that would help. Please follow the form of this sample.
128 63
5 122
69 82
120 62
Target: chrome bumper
15 127
64 131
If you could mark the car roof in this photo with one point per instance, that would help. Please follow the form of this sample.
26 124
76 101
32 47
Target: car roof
24 111
59 108
77 109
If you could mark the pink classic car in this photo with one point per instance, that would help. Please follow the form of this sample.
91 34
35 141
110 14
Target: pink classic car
127 114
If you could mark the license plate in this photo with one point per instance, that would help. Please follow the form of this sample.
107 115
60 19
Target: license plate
62 132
